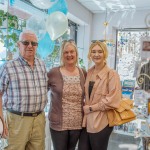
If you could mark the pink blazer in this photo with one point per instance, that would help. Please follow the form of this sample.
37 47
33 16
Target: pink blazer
103 98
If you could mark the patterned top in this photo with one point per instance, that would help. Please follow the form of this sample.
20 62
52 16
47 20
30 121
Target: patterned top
71 103
24 89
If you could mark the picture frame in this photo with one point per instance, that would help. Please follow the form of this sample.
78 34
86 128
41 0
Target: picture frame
146 46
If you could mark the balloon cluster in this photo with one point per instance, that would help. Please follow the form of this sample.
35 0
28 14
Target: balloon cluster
56 24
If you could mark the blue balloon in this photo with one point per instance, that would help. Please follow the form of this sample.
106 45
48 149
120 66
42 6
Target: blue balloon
46 46
60 5
12 2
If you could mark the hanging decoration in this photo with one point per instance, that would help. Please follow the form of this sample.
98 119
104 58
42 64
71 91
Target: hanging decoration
105 25
46 46
56 24
109 42
129 52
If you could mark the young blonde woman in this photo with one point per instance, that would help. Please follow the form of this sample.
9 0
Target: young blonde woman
102 92
66 84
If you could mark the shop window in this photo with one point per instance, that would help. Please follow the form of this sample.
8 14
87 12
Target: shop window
130 53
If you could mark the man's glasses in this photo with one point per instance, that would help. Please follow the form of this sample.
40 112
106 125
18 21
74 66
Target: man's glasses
26 43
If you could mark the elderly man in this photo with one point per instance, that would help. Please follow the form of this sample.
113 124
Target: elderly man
23 88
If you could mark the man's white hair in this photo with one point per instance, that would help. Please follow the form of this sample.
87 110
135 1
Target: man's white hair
26 32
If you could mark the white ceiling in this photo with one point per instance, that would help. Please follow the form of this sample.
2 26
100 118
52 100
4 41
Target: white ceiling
99 6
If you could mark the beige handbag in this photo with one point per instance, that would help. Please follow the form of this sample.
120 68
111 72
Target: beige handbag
121 115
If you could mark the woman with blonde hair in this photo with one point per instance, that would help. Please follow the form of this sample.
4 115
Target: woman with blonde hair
66 84
102 92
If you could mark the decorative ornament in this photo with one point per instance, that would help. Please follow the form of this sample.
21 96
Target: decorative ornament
106 24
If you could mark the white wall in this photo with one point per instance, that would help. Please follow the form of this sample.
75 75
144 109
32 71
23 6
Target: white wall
130 19
83 17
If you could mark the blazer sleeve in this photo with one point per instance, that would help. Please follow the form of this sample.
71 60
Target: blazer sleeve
112 99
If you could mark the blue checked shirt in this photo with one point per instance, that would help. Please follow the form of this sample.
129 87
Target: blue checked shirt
24 89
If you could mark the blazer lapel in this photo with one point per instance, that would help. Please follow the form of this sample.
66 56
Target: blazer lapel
101 75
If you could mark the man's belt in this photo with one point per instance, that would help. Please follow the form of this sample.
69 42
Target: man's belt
35 114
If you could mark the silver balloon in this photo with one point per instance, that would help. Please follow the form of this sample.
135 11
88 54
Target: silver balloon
37 25
42 4
56 24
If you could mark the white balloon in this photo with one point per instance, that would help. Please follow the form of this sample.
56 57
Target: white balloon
42 4
37 25
56 24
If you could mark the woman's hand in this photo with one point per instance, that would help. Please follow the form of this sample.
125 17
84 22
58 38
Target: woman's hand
86 109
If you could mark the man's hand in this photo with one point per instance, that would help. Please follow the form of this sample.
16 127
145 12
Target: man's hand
5 132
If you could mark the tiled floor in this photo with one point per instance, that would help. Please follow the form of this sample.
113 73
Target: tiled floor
116 139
